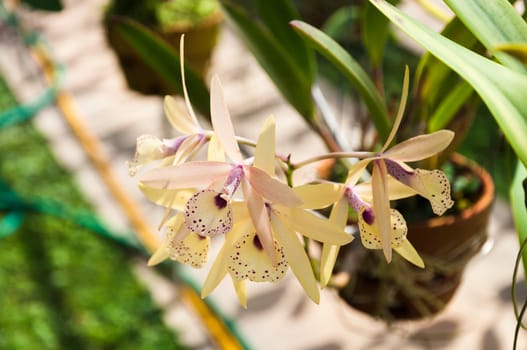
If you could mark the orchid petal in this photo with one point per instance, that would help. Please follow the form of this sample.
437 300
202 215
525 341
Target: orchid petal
396 190
160 255
265 147
407 251
193 250
221 121
420 147
381 206
215 150
271 189
241 291
178 118
175 199
297 258
339 217
240 211
369 231
219 269
312 226
184 83
190 145
355 172
400 111
207 213
187 175
316 196
248 260
148 149
260 219
431 184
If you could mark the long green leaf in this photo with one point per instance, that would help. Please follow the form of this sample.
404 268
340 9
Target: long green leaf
276 14
163 59
330 49
287 76
493 22
502 89
519 209
47 5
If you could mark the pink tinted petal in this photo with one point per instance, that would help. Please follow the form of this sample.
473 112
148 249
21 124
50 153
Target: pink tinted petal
381 206
369 232
265 147
190 111
187 148
420 147
260 219
271 189
297 258
430 184
249 261
207 213
221 121
187 175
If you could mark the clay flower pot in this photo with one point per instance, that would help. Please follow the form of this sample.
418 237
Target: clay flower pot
400 290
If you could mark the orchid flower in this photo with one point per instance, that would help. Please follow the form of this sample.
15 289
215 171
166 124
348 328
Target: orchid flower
176 150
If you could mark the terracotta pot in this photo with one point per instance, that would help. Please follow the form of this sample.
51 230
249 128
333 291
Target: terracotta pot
400 290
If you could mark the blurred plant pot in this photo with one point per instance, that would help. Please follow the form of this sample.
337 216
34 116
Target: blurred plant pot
399 290
200 40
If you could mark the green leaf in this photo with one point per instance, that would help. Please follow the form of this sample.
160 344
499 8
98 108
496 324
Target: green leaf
292 82
276 15
330 49
47 5
493 22
374 33
519 51
518 205
502 89
163 59
449 106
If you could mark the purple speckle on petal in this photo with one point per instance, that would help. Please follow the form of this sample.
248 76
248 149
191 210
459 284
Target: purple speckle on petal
257 243
368 216
220 202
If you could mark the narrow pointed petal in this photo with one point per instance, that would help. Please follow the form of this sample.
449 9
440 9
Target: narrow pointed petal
207 213
175 199
271 189
396 190
215 150
178 118
297 258
338 216
381 206
241 292
430 184
355 172
420 147
260 219
369 232
160 255
316 196
407 251
187 175
248 260
190 111
265 147
400 111
187 148
221 121
312 226
219 269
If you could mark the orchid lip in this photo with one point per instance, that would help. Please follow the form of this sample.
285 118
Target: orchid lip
233 180
355 202
368 216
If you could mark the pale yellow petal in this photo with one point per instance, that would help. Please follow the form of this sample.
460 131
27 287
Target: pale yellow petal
148 149
241 292
219 269
215 150
179 118
192 251
407 251
184 83
316 196
208 213
355 172
381 206
420 147
432 185
297 258
265 147
160 255
221 121
175 199
338 216
270 188
248 260
400 111
396 190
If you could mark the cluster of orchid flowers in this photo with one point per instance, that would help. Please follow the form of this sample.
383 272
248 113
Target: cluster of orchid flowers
261 218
